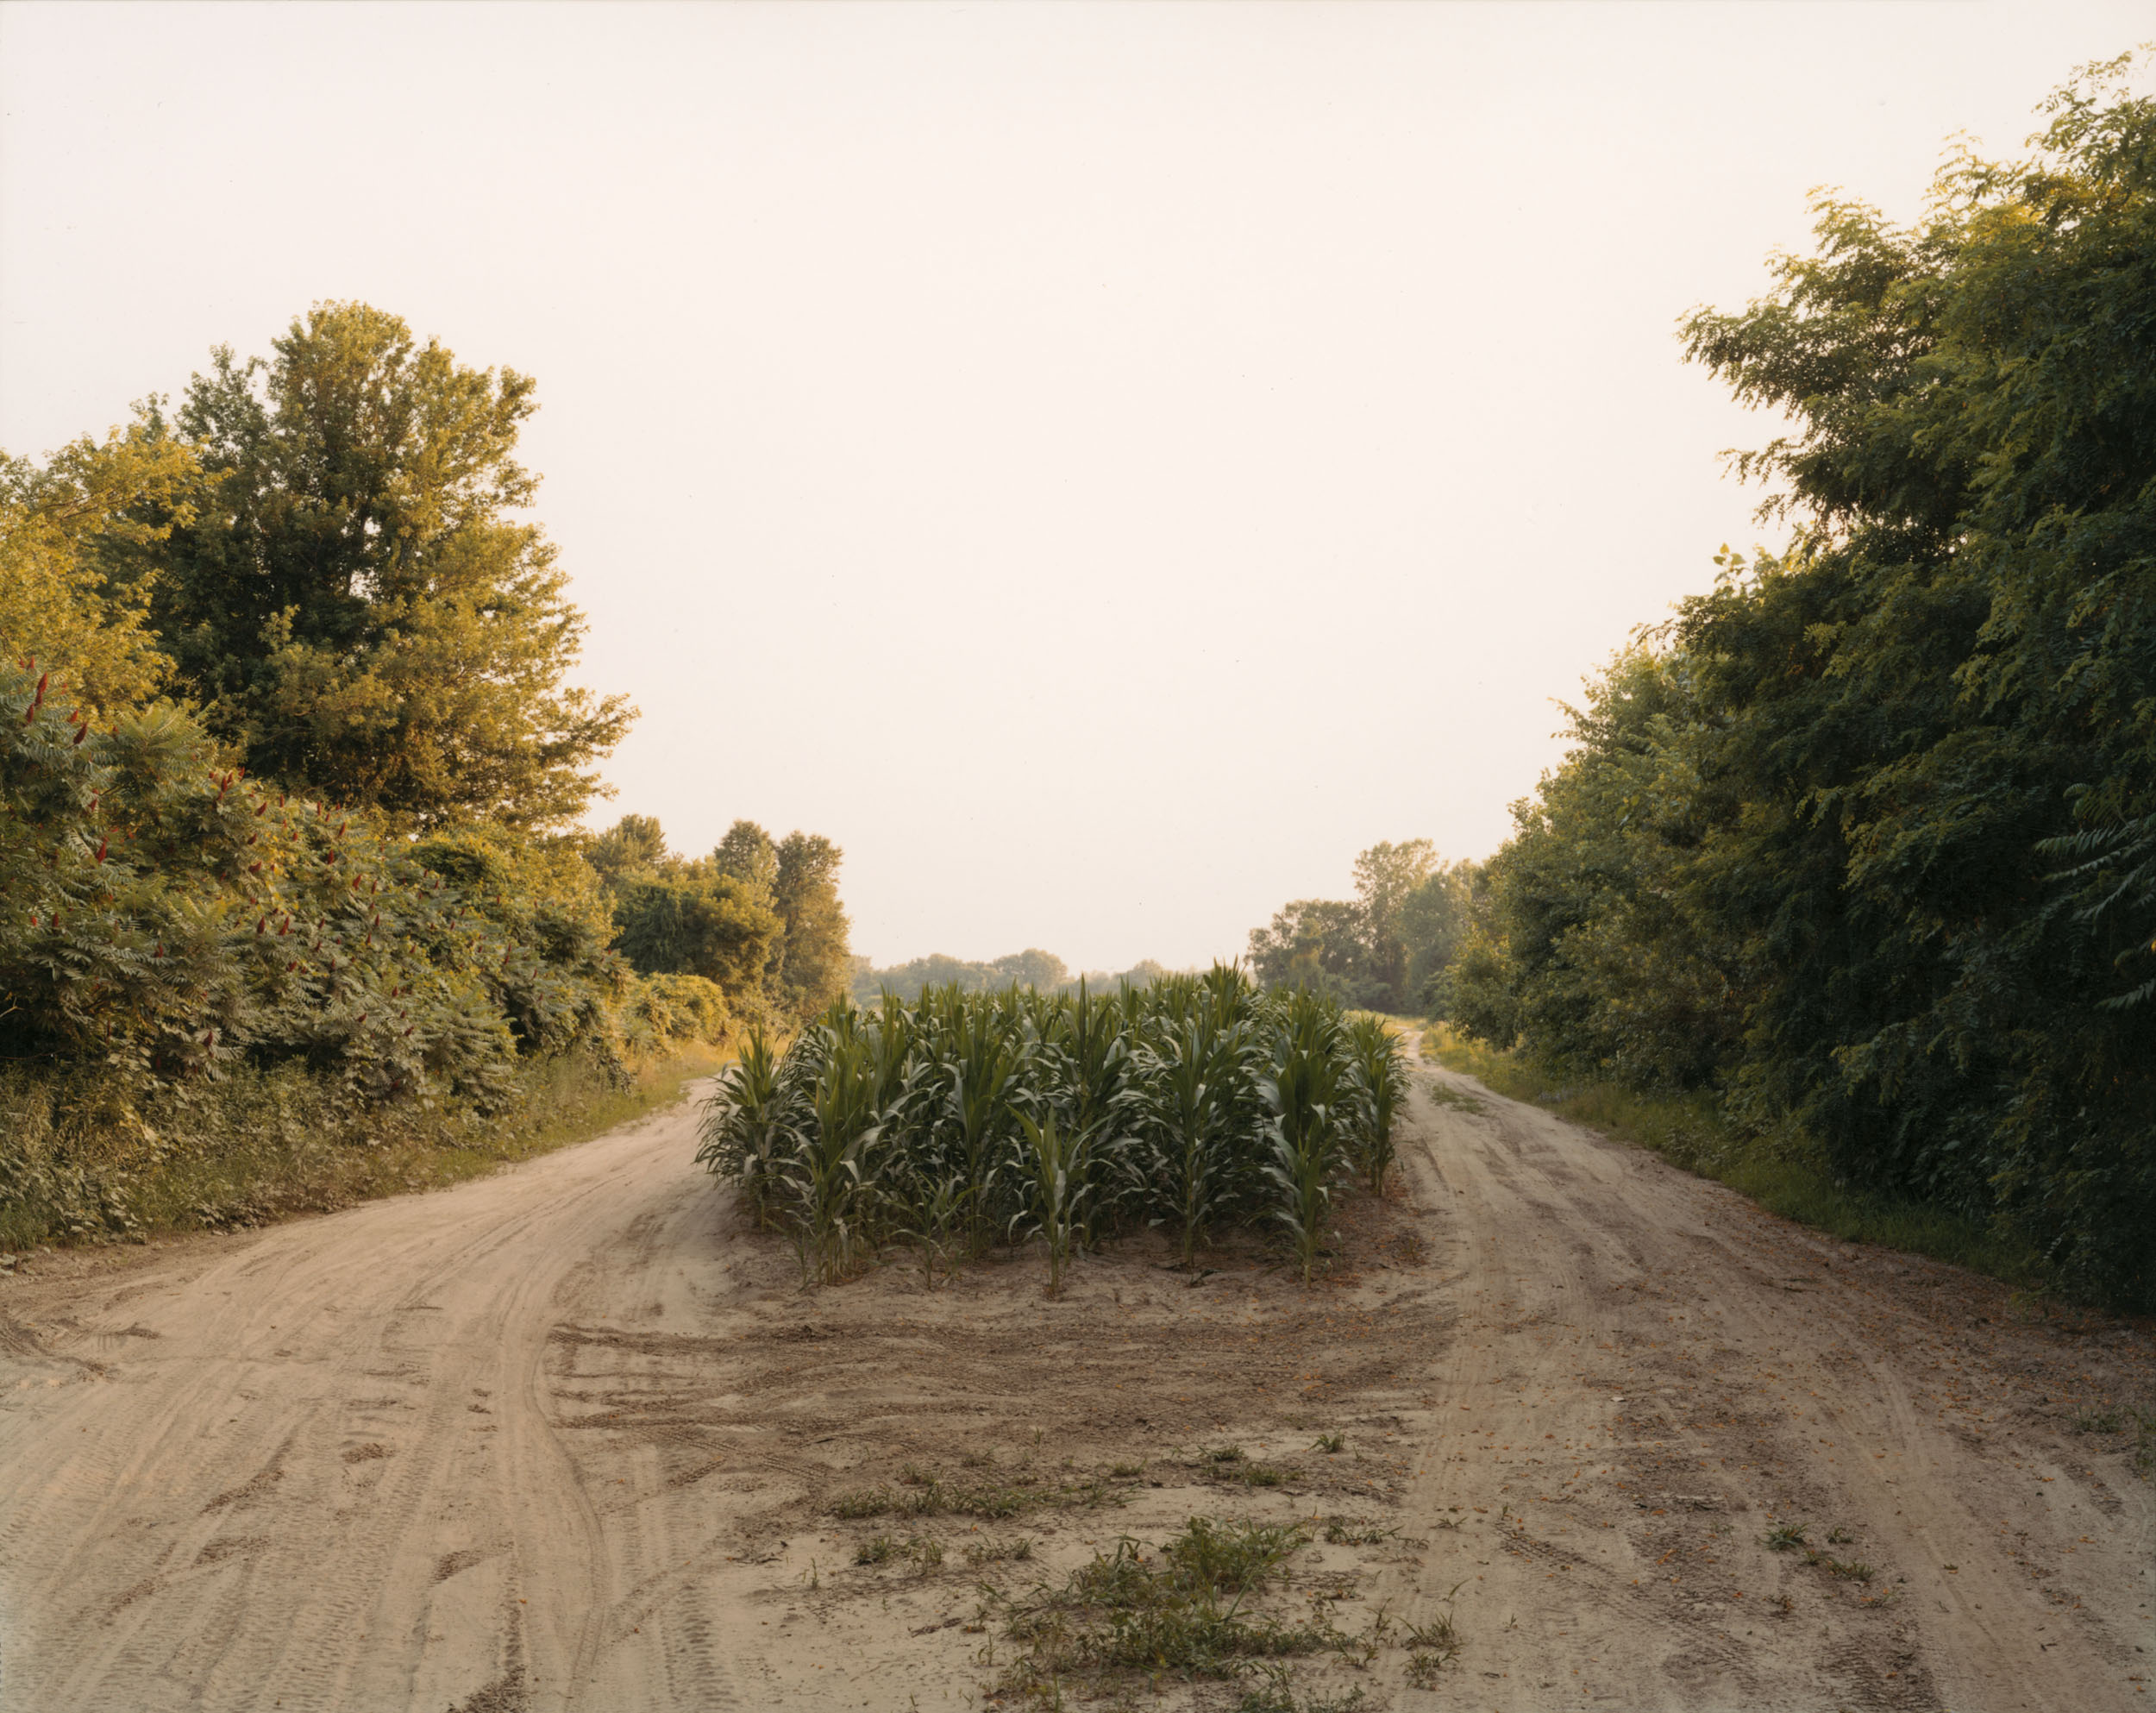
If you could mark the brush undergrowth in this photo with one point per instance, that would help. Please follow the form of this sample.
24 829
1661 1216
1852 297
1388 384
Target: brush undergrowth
261 1145
1777 1171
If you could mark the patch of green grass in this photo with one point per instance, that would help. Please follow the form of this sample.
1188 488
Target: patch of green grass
2099 1421
1182 1609
1786 1539
1264 1475
1849 1571
1355 1531
1424 1670
1330 1444
921 1551
1777 1171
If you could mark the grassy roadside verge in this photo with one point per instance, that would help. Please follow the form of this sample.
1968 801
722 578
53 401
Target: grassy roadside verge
1776 1171
260 1147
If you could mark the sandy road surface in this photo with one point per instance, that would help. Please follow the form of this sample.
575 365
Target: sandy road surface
569 1438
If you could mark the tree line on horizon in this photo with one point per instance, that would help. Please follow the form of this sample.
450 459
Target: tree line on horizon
1388 948
1043 971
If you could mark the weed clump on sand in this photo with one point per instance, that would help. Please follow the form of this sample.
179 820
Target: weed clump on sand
1184 1609
924 1553
1193 1608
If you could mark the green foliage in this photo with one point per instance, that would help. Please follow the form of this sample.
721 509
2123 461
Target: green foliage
214 984
1383 951
1782 1169
352 595
810 966
1861 839
759 920
1380 1069
83 1161
1191 1109
1053 1185
169 926
698 923
665 1010
65 528
1184 1609
960 1119
1308 1090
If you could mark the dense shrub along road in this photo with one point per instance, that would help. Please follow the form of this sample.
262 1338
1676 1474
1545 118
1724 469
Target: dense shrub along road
1864 839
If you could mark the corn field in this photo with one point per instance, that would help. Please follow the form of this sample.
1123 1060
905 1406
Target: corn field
959 1121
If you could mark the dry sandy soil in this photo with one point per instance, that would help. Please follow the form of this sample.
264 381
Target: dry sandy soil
573 1437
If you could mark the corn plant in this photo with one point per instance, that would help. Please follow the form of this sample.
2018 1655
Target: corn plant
826 1190
959 1121
1087 1052
978 1084
1378 1068
1049 1175
1307 1093
1189 1094
749 1122
929 1211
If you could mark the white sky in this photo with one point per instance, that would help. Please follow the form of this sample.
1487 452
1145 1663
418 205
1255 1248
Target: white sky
1103 465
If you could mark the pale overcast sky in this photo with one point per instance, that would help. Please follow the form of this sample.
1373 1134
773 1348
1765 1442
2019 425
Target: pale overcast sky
1103 465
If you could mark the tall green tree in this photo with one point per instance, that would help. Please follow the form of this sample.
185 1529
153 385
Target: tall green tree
1876 818
1386 876
760 917
633 846
1381 949
811 963
749 854
358 603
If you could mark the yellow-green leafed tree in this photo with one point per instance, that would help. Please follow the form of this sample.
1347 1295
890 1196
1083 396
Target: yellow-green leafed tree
74 596
364 603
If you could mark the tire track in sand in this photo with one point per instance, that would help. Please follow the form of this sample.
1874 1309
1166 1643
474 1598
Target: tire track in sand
1645 1373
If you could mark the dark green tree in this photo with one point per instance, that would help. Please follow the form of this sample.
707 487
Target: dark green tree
749 854
690 921
812 962
1876 819
1381 949
636 845
357 602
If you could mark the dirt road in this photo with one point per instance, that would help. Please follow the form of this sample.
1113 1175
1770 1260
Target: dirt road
571 1438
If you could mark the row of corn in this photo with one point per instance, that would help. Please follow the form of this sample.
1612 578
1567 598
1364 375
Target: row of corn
959 1121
